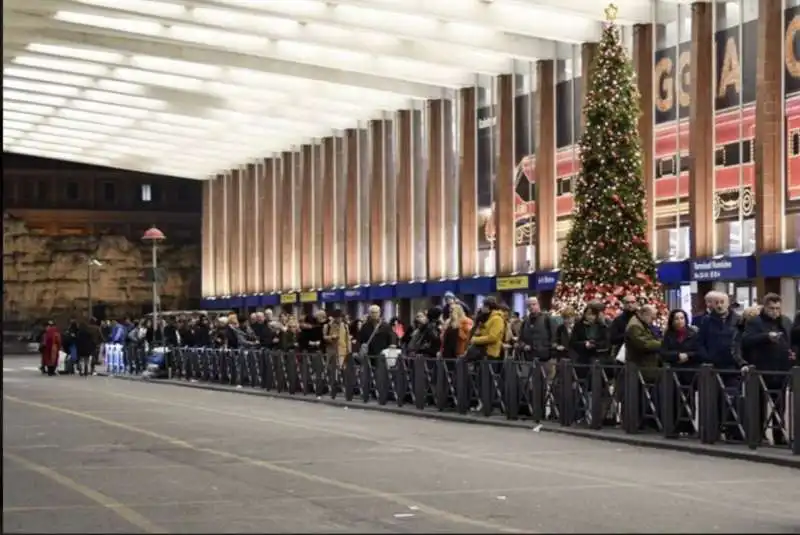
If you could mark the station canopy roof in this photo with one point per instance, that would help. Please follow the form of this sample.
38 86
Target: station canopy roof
194 87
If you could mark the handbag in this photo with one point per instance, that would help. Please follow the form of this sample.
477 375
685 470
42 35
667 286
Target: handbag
475 353
621 354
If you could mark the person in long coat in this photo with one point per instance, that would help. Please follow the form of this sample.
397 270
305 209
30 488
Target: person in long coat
51 346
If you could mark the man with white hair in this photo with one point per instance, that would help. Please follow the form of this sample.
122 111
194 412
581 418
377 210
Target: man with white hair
375 335
709 300
718 333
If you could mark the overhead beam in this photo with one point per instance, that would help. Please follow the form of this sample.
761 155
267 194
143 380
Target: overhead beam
198 53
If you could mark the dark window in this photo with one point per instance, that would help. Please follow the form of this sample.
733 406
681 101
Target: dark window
109 192
564 186
795 143
183 192
747 151
719 157
42 191
72 191
734 153
155 192
665 167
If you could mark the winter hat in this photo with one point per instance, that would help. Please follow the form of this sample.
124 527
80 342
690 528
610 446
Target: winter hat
449 295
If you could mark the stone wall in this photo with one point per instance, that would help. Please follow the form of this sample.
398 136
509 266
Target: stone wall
46 276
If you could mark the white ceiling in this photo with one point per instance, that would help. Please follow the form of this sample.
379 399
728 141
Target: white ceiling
194 87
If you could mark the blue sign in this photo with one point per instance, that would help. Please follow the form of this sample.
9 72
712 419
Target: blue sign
722 269
355 294
270 300
439 288
330 296
409 290
381 292
780 264
673 272
546 281
476 286
252 301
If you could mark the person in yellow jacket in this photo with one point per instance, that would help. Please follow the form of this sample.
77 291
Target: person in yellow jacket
491 333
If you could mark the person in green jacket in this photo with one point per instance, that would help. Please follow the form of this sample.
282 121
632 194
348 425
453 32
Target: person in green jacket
641 345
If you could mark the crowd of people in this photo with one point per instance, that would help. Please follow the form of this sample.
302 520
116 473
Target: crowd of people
759 337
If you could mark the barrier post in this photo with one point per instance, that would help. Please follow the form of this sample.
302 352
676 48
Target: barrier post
511 389
349 378
668 402
709 405
596 395
487 393
537 390
442 392
305 377
420 382
794 417
382 380
752 408
318 369
366 379
333 371
462 386
566 394
290 364
632 406
401 380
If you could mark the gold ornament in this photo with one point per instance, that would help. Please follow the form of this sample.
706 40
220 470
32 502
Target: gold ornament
611 12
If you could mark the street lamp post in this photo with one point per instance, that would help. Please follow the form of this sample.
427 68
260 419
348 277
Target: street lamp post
153 235
93 262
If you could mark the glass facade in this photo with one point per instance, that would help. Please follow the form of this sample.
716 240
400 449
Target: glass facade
671 108
525 136
487 169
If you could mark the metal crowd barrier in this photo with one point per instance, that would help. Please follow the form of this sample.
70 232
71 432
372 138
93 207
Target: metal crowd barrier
754 408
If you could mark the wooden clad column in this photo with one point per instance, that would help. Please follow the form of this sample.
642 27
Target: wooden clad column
235 231
220 210
352 244
319 222
770 190
249 230
273 244
701 131
405 198
546 166
769 119
468 185
265 215
377 194
207 232
643 50
330 212
287 220
504 182
306 230
435 191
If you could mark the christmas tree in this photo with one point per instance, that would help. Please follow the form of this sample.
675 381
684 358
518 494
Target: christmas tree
607 254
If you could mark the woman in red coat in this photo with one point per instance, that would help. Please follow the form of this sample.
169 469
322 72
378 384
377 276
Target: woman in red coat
51 345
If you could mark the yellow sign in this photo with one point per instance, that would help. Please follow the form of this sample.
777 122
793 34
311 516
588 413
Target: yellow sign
288 299
308 297
505 284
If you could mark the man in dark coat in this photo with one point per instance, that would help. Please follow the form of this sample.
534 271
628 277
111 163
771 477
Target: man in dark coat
616 331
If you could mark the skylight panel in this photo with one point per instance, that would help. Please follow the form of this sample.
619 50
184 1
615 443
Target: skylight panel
110 109
76 53
69 66
129 25
16 125
71 132
154 78
47 76
24 107
174 66
110 120
33 98
48 146
148 7
66 140
84 125
121 87
220 37
125 100
37 87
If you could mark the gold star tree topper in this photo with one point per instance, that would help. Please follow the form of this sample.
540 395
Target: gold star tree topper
611 12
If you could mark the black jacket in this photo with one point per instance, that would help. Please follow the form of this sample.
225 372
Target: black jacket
616 331
581 334
762 352
671 347
384 337
84 342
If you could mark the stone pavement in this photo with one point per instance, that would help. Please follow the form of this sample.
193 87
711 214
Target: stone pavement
101 455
